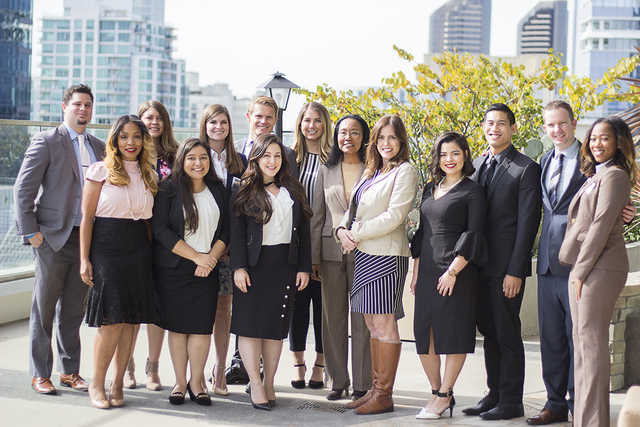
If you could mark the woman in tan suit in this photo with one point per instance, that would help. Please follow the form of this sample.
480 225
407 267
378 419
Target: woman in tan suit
336 179
375 227
595 249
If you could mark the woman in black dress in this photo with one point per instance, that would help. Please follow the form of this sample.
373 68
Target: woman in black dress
191 227
448 247
271 258
115 251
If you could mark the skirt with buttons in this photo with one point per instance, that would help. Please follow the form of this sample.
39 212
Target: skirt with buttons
264 311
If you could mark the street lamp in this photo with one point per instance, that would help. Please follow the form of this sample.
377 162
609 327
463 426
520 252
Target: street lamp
279 89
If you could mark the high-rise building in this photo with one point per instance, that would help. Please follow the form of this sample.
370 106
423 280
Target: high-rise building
544 28
16 26
601 32
464 25
121 48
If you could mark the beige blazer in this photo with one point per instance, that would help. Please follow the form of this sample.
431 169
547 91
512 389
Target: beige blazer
379 220
329 205
594 224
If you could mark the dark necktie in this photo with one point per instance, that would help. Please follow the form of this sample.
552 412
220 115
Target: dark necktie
488 175
554 181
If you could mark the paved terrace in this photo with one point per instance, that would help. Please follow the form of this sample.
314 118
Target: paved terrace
20 406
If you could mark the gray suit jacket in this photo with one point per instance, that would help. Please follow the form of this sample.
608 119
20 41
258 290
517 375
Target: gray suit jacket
291 155
594 228
329 206
554 220
50 162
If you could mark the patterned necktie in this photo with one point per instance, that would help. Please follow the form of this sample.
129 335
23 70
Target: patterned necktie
488 175
554 181
84 156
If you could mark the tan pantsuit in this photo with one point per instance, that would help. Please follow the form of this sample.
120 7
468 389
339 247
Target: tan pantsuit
595 249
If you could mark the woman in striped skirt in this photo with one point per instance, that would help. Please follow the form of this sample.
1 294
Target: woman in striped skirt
375 227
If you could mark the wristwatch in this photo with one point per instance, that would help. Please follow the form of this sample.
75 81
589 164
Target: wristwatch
452 272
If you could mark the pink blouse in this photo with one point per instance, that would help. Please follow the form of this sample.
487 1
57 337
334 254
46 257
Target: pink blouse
117 201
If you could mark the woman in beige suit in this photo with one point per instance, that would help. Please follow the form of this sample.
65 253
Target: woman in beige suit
335 181
595 249
375 227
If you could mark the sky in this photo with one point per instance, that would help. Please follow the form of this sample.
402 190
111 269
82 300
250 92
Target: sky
343 43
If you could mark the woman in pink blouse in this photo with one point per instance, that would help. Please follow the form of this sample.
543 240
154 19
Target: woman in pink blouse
115 251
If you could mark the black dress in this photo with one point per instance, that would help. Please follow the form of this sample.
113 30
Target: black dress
450 226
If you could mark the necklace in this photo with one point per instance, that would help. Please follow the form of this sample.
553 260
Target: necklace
443 191
129 199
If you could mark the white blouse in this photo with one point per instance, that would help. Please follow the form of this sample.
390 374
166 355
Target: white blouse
278 230
208 218
220 164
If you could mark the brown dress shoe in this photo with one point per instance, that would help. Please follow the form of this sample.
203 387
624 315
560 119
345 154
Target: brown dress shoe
74 381
43 385
546 416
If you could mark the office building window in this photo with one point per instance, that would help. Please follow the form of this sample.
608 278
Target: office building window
62 60
77 24
88 48
106 48
47 48
48 36
77 48
90 24
47 60
62 48
76 73
89 36
62 72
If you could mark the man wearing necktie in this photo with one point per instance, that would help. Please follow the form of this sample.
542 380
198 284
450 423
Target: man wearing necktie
56 161
512 185
561 179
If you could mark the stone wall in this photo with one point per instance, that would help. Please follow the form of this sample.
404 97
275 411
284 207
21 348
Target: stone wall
627 310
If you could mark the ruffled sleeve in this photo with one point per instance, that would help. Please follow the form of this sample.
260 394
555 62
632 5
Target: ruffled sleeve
97 172
472 244
473 247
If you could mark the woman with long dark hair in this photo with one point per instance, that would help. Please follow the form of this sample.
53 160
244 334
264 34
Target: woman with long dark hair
191 227
271 258
217 131
115 251
375 228
594 247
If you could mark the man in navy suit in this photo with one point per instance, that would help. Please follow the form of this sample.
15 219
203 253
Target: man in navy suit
512 184
48 195
561 179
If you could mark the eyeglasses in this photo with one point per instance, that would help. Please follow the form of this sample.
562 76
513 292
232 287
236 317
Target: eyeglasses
353 133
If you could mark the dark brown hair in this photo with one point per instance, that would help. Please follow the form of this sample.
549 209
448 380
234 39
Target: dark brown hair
625 156
373 159
168 146
185 184
252 198
435 171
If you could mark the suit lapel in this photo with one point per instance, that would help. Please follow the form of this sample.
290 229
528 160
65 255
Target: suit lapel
501 169
339 181
67 144
545 162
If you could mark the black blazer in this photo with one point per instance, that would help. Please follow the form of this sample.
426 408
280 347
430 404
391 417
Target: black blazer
230 178
513 213
246 239
554 220
168 220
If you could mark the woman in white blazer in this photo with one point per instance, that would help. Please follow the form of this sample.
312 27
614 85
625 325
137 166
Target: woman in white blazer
375 227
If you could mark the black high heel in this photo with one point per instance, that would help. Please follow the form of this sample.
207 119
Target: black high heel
300 383
263 406
201 399
452 402
317 384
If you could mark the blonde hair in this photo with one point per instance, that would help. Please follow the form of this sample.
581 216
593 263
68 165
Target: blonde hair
300 142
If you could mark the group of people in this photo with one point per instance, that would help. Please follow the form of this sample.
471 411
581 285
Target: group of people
213 236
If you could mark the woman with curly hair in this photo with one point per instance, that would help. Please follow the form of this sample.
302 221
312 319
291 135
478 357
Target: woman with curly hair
115 251
271 258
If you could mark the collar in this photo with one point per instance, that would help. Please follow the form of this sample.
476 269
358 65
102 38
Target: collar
569 153
500 156
599 166
72 132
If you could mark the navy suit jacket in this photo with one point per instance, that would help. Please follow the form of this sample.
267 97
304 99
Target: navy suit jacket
168 220
554 220
513 213
246 239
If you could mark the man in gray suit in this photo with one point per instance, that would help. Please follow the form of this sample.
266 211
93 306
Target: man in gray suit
49 220
262 115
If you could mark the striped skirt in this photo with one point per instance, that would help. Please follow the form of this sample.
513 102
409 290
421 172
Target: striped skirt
378 284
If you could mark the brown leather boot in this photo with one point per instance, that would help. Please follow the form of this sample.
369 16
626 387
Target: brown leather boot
375 357
381 400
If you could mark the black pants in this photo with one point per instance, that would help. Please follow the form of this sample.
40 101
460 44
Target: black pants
300 317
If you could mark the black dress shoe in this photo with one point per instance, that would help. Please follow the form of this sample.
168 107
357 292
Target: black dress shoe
336 394
176 397
504 411
264 406
272 403
487 403
201 399
236 374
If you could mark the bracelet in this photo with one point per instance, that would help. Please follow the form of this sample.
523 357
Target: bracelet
452 272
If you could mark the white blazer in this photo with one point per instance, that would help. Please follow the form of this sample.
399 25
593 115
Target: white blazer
379 220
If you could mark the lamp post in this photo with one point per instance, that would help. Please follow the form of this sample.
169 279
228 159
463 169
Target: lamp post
279 89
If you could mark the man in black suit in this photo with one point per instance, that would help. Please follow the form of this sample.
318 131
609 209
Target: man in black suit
561 179
512 185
